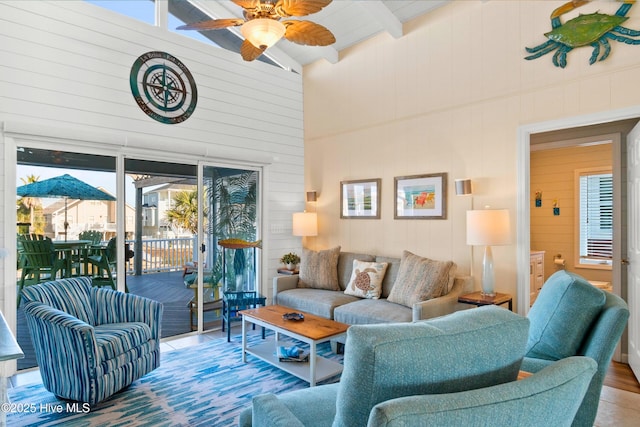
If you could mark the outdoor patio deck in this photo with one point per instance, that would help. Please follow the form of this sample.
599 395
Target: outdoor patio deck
167 288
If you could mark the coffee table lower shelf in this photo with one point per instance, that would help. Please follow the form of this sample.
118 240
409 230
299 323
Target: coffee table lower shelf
325 368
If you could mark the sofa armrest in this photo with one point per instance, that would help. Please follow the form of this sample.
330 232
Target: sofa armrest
269 411
282 283
112 306
445 304
559 388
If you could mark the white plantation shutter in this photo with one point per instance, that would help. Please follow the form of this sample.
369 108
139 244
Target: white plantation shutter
596 218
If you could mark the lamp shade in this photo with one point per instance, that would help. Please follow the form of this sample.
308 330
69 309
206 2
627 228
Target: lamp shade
305 224
263 32
488 227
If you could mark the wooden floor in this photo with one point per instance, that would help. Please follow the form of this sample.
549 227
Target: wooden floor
621 377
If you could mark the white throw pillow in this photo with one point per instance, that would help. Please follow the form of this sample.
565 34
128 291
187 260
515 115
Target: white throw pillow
366 279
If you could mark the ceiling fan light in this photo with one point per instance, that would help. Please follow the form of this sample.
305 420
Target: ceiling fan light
263 32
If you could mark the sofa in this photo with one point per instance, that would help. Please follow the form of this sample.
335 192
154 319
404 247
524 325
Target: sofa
91 343
332 302
569 318
467 350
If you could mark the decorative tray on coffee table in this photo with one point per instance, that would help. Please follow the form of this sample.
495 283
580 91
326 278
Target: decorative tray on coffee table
293 316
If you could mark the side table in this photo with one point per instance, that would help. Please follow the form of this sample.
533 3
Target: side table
233 302
478 299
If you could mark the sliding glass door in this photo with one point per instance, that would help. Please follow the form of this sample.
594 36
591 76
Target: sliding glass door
168 222
229 220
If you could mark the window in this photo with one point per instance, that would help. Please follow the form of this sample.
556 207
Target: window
595 218
142 10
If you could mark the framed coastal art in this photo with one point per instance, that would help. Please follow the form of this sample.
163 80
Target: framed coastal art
360 199
421 196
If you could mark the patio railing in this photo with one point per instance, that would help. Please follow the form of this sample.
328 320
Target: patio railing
160 255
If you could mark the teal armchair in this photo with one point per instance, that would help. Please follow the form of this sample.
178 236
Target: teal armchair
467 350
90 342
573 318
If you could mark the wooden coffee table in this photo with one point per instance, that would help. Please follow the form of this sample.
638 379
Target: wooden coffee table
312 330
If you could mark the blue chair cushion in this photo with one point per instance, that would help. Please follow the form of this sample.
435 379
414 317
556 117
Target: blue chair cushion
561 316
115 339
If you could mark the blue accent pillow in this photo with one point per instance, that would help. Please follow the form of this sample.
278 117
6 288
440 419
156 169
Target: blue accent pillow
561 316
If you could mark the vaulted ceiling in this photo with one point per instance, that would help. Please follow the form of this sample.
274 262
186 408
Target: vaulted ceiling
351 21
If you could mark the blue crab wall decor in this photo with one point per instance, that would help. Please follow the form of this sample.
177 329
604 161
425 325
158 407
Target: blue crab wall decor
594 30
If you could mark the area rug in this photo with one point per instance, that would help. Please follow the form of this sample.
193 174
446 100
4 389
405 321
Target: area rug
203 385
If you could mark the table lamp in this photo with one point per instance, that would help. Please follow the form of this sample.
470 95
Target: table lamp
305 224
488 227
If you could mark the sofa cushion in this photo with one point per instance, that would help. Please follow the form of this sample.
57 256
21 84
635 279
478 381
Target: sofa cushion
319 269
390 276
558 323
369 311
345 266
315 301
420 279
366 279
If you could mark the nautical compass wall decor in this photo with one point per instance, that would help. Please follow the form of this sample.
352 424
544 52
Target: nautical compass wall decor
163 87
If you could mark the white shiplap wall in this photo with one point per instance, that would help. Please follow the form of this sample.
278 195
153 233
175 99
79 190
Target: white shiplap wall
64 72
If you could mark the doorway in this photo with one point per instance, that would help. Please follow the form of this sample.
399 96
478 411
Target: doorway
620 121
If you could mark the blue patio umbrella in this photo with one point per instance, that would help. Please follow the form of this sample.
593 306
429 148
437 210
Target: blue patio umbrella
64 186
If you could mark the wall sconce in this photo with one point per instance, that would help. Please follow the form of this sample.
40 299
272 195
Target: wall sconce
488 227
305 224
463 187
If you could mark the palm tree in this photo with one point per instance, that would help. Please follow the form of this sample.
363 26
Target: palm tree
184 213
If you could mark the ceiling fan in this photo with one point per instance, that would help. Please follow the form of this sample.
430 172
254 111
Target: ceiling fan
262 26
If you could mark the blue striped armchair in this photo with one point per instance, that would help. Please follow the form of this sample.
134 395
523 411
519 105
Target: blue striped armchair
91 342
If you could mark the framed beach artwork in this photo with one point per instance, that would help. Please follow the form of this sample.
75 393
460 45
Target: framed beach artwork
421 196
360 199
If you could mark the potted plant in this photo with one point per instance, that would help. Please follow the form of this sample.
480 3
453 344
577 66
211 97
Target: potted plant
290 260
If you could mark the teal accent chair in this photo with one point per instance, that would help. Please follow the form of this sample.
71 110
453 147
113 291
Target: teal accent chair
467 350
91 342
573 318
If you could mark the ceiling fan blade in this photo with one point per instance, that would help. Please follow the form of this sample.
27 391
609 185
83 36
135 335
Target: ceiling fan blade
287 8
213 24
309 33
249 52
247 4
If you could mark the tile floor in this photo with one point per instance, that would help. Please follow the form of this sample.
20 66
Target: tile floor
618 408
